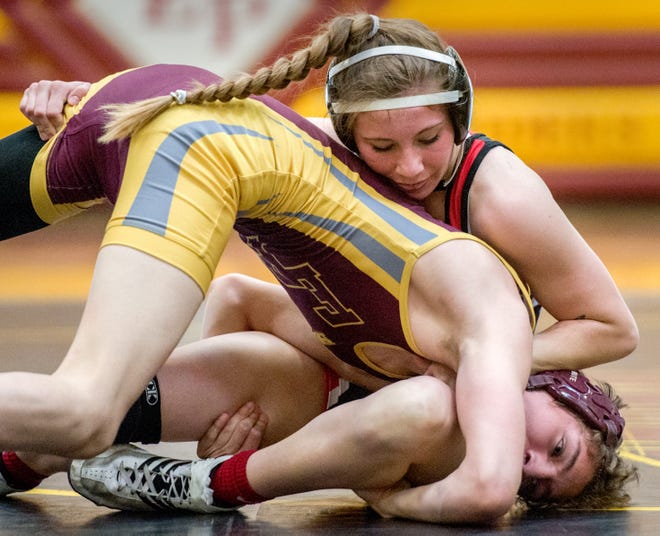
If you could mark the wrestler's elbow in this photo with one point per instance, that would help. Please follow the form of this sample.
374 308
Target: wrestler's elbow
492 504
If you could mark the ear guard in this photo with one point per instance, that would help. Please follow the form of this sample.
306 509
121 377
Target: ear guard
461 111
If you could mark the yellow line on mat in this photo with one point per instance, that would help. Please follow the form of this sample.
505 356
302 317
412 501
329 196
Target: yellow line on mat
641 459
56 492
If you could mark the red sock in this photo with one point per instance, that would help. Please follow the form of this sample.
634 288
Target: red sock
17 474
230 484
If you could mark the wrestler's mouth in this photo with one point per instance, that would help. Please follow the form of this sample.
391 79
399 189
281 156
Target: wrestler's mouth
533 489
412 189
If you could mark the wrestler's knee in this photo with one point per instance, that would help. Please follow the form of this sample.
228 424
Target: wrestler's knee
231 303
230 288
411 412
90 423
427 405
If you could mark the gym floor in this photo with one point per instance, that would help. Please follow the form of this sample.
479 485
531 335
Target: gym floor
43 281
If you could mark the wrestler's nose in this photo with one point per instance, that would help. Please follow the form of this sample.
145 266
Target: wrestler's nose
538 466
410 164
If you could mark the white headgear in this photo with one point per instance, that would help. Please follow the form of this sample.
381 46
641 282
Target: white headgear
459 98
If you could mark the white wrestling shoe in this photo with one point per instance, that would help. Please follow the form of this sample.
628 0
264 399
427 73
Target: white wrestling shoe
126 477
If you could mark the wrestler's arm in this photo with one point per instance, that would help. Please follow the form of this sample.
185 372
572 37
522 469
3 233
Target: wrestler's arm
42 103
488 325
513 210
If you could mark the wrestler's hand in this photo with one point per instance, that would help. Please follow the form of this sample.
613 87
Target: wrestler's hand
378 499
230 434
43 103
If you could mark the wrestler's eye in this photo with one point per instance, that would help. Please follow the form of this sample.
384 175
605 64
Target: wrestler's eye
430 141
559 448
381 148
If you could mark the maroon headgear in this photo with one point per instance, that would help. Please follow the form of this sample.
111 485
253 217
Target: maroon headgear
573 389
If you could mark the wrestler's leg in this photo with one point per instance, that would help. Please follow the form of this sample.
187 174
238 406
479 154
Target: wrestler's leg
236 302
381 442
137 310
395 433
17 153
205 378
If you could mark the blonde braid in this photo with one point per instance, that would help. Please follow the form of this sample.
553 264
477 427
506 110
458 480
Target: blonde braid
126 119
332 40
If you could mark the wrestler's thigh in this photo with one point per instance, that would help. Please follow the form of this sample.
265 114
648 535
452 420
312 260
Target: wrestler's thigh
178 209
205 378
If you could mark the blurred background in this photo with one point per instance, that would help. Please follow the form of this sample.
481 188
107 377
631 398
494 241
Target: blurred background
571 87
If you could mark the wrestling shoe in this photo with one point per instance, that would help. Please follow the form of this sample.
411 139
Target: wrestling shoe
6 489
126 477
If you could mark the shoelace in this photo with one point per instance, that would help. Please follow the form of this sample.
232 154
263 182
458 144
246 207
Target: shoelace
159 482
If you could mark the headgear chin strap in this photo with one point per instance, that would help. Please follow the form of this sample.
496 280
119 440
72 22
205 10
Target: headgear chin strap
574 390
458 99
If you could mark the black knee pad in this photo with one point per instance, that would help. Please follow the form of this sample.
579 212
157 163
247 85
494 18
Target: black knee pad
142 423
17 154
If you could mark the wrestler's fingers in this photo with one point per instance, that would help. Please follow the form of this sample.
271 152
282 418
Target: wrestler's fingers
37 106
30 109
26 106
255 435
229 434
78 92
243 431
206 442
43 103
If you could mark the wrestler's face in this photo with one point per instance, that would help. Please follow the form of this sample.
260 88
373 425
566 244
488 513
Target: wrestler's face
558 462
413 147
